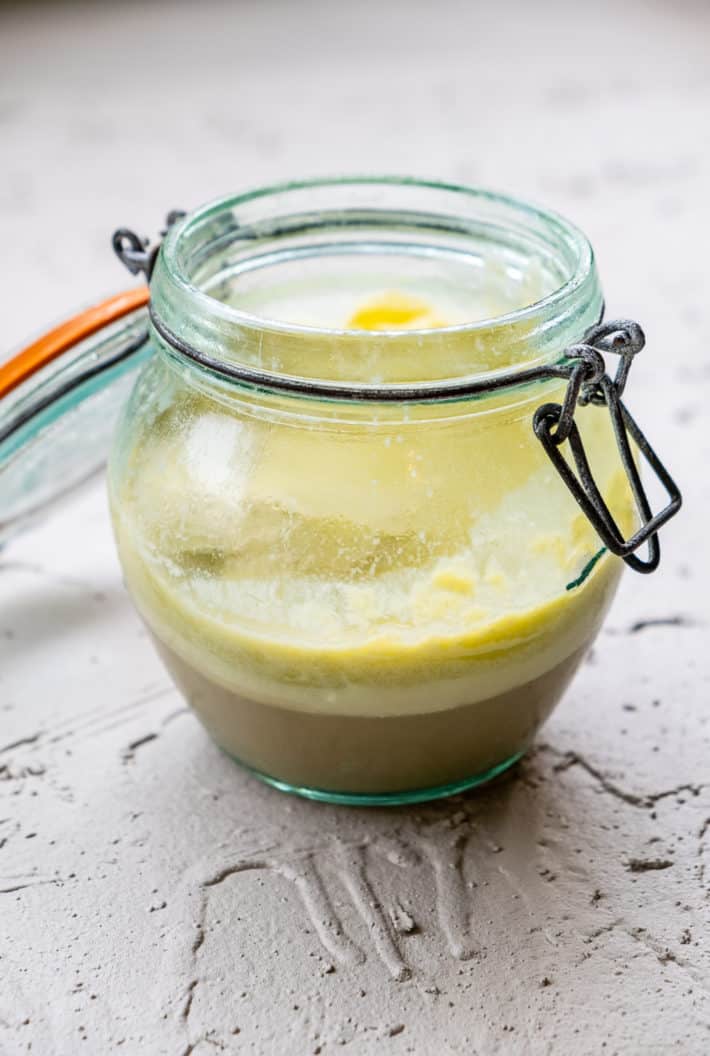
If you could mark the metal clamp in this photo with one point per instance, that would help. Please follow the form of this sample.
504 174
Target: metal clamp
554 424
136 253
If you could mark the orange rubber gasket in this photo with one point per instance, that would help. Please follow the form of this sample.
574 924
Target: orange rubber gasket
55 342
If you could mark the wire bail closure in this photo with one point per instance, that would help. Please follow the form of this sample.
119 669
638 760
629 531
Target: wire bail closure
136 253
554 424
583 366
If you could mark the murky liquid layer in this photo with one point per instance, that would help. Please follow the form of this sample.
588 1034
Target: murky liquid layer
372 755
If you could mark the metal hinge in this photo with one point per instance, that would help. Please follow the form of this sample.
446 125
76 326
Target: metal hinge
554 424
136 253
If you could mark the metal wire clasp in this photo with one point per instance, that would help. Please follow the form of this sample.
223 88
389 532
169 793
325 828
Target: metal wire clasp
554 424
136 253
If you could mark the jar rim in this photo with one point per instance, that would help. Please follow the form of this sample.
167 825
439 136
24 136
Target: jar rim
568 232
246 349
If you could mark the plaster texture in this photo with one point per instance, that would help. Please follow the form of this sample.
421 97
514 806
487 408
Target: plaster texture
153 897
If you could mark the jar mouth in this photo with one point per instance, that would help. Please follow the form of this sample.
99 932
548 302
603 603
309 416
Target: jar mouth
209 257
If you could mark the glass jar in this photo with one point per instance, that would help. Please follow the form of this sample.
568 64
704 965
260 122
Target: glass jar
332 510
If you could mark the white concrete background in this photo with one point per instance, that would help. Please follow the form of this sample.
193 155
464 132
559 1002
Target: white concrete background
153 898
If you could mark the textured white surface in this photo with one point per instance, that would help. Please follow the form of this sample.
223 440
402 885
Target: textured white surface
153 898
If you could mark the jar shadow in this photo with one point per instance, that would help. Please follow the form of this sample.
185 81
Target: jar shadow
48 608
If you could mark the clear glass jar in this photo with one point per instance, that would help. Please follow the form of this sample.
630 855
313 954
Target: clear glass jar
369 587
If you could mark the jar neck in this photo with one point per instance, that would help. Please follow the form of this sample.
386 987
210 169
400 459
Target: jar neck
235 280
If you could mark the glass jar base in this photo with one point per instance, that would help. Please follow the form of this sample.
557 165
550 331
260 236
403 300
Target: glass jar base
385 799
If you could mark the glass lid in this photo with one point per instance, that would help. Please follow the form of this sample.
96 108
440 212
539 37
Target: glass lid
59 400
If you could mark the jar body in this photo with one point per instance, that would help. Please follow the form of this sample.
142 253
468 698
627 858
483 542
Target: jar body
363 600
367 608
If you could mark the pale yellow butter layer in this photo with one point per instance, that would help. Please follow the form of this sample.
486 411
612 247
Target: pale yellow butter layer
284 563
